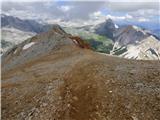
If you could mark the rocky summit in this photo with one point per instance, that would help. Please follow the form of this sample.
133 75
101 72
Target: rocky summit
57 76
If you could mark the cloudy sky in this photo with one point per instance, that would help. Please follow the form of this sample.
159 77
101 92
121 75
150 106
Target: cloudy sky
143 11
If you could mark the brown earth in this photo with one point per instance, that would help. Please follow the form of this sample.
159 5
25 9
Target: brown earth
72 83
79 42
78 84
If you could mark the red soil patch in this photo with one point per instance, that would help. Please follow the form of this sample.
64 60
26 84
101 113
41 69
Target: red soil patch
81 43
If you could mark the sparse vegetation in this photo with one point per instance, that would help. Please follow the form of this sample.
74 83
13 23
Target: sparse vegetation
99 43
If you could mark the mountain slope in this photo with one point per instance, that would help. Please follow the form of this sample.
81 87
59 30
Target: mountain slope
98 42
15 30
128 41
129 35
14 37
135 43
51 76
37 46
23 25
108 28
147 49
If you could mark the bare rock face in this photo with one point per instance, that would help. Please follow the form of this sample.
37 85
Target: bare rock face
147 49
130 35
133 42
108 28
52 76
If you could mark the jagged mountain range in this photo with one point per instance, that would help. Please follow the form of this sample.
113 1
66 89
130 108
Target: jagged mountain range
137 42
129 41
106 37
23 25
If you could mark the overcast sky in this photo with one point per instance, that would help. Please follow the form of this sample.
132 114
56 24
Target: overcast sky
125 10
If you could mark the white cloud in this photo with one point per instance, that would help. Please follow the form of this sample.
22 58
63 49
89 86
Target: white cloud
132 6
143 20
134 11
65 8
126 17
148 12
115 17
99 16
54 9
97 13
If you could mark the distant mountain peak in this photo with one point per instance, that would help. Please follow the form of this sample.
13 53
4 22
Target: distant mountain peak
109 20
107 28
58 29
109 23
23 25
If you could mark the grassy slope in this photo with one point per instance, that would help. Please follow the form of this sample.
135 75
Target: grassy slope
98 42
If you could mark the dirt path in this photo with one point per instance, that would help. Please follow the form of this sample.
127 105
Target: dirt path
77 84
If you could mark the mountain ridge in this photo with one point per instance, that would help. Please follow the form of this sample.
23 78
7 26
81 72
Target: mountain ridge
106 37
24 25
60 80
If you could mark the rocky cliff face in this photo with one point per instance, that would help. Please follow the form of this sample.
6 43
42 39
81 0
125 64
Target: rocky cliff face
107 28
53 76
147 49
133 42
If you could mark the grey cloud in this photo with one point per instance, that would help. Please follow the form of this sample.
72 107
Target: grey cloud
81 10
34 7
132 6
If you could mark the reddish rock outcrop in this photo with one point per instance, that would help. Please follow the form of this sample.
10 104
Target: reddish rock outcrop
79 42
